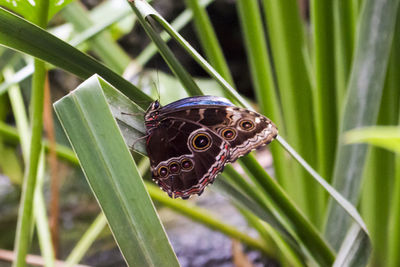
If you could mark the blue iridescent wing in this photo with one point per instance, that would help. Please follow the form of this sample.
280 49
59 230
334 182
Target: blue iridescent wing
197 101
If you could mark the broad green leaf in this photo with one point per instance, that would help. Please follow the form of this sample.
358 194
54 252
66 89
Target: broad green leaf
113 175
387 137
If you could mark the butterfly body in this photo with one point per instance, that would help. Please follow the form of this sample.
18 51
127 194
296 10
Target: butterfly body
191 140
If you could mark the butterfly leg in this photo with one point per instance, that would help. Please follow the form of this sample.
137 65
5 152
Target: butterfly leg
132 147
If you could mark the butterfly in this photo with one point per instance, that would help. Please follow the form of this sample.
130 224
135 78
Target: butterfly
191 140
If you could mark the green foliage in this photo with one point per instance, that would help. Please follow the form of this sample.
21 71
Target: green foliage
323 80
28 8
387 137
113 176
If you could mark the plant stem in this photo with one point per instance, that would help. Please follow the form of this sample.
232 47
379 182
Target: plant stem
24 225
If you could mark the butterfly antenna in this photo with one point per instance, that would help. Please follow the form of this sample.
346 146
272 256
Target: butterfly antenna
157 83
157 90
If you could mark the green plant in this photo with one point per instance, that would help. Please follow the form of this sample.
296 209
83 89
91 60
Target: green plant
337 76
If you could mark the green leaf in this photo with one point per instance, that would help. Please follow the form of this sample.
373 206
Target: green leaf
394 220
375 34
24 230
307 233
143 10
179 71
56 5
208 39
344 18
27 8
285 30
113 175
387 137
23 7
102 44
23 36
324 91
355 249
203 216
10 164
63 152
41 219
80 249
178 23
232 184
262 78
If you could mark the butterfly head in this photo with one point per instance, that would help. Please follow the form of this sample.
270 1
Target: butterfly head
152 113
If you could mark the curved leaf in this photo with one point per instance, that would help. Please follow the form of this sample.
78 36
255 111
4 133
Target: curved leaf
387 137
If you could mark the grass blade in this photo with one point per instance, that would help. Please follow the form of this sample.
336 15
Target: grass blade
344 203
86 241
23 36
209 40
274 240
42 222
324 93
307 233
179 71
285 29
263 80
315 244
113 176
355 249
144 10
103 44
394 220
344 18
374 41
23 235
393 258
387 137
262 77
180 21
203 216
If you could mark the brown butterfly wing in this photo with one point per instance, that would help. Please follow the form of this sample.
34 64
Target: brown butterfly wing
184 156
243 129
